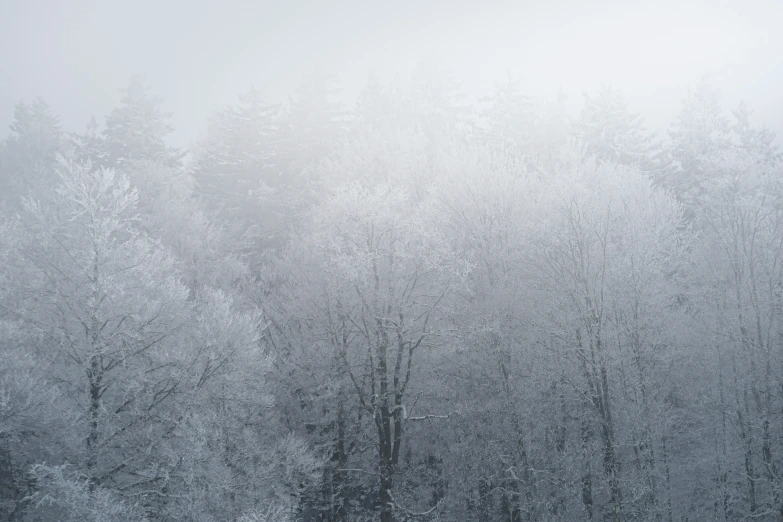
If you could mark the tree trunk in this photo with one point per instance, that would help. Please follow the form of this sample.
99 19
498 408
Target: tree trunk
9 492
667 473
340 477
611 464
771 469
587 477
95 377
610 467
750 472
384 494
485 501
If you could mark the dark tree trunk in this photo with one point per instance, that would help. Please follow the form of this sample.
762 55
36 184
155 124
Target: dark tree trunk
95 378
587 477
485 500
9 490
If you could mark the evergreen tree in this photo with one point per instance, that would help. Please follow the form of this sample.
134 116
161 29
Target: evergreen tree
312 128
759 141
611 132
241 172
29 153
699 133
376 106
314 122
136 130
90 146
238 160
437 104
510 116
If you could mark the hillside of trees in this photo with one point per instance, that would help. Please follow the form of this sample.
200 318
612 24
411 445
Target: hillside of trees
404 308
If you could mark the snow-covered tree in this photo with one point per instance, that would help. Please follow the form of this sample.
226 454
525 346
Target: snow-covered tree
608 255
378 288
742 254
110 301
611 132
510 116
759 141
137 129
242 176
700 132
28 154
313 123
64 495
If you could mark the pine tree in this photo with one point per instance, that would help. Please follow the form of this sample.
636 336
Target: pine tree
136 130
437 104
314 122
758 141
89 146
29 153
238 159
699 133
241 173
375 106
509 118
611 132
312 128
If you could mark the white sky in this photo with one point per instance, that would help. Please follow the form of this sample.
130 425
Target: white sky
199 55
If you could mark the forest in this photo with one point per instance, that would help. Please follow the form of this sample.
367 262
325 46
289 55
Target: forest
403 308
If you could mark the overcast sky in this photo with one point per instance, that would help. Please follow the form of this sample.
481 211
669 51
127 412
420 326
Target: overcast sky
199 55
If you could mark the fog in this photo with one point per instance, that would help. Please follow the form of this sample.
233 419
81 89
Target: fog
396 262
198 55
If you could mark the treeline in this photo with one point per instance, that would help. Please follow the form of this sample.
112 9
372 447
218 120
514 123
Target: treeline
407 308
